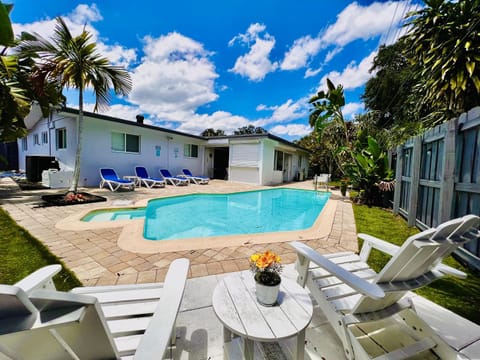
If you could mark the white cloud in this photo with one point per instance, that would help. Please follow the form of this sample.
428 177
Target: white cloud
353 23
79 19
363 22
300 52
255 64
288 111
175 77
353 75
312 72
291 130
224 120
351 109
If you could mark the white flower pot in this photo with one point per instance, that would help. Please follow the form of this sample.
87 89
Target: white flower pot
267 295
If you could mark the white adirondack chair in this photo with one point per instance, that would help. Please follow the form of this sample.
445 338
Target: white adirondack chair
109 322
368 311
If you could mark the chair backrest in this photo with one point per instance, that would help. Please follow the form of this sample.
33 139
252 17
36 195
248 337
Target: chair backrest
187 172
16 310
108 174
49 324
165 173
141 172
413 265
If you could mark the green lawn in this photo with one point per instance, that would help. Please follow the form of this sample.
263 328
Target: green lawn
21 254
459 295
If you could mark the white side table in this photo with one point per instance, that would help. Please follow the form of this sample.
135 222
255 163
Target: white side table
237 308
135 179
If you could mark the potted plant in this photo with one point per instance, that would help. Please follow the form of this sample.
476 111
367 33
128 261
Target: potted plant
266 268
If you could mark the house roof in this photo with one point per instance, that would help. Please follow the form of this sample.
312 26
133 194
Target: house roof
175 132
131 122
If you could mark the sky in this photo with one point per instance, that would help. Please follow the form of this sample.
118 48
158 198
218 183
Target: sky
226 64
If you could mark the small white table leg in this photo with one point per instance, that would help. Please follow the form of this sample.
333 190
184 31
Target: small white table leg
248 348
301 345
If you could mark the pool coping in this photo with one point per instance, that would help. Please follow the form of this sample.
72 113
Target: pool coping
131 237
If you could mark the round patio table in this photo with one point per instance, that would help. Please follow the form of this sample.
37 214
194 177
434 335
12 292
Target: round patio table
237 308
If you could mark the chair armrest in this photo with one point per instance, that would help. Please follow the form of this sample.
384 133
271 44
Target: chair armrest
155 341
448 270
40 279
359 284
379 244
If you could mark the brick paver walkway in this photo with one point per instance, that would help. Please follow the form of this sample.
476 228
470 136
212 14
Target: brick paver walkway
93 255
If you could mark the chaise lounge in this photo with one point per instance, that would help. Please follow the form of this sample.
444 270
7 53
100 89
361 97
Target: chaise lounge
149 182
106 322
173 180
196 179
110 178
368 311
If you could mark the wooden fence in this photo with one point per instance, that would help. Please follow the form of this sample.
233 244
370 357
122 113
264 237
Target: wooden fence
438 174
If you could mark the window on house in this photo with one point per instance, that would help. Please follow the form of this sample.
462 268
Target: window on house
36 139
299 160
61 136
44 137
125 142
24 144
278 161
190 150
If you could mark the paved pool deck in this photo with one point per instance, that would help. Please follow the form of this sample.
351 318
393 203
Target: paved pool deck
95 256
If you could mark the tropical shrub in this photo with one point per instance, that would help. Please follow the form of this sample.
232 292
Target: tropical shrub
369 173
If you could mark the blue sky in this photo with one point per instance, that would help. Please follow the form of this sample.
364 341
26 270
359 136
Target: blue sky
226 64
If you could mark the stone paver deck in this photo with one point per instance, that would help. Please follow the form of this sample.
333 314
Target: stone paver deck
96 259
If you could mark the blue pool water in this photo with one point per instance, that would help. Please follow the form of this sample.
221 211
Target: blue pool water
204 215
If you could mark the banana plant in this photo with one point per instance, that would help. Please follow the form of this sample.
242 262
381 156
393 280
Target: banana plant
369 171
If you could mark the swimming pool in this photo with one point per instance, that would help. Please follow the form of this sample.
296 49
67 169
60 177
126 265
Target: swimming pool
205 215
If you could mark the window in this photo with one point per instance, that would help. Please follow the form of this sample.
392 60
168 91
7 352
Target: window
36 139
125 142
278 161
24 144
44 137
61 136
299 160
190 150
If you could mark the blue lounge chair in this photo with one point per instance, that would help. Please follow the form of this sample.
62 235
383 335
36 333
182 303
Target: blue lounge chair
149 182
199 180
110 178
174 180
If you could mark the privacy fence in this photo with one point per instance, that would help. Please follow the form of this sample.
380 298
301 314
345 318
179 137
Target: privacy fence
438 174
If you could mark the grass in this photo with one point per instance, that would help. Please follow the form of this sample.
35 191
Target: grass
22 254
458 295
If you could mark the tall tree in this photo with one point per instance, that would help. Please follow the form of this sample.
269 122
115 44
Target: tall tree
250 130
444 42
211 132
14 105
75 63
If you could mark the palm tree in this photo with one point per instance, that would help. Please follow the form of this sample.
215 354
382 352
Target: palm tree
75 63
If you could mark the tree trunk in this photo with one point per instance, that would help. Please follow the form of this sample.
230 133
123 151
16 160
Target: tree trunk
76 172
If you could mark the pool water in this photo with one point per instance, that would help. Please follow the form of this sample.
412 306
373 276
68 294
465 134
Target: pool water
205 215
115 214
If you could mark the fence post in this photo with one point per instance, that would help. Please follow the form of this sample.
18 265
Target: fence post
398 180
448 176
415 182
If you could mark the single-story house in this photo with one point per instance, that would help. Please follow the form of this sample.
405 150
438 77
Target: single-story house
261 159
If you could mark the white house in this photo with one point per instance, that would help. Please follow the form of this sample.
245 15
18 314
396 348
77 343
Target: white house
261 159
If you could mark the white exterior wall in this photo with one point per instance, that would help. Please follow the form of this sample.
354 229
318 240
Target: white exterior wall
245 162
269 175
97 152
65 157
